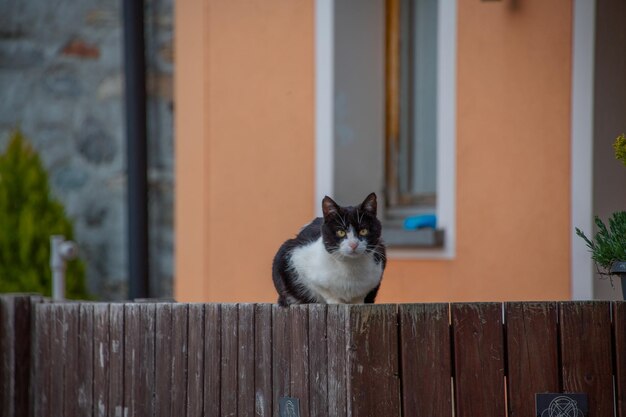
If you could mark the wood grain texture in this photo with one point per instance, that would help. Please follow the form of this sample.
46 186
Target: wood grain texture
300 356
479 359
426 359
212 360
57 367
619 336
148 321
145 385
195 363
263 360
139 321
117 386
101 361
318 361
34 388
163 357
281 356
85 360
245 360
366 360
230 355
336 331
586 354
70 317
532 354
132 352
7 354
179 362
373 369
40 388
23 345
15 354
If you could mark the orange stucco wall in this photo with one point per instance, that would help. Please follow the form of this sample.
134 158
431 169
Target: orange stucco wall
245 151
513 160
244 173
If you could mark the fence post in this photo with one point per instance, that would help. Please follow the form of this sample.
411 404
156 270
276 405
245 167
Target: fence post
16 321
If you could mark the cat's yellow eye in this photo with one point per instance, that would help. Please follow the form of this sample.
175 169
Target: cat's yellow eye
364 232
341 233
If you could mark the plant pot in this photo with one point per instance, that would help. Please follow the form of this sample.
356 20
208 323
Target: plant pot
619 268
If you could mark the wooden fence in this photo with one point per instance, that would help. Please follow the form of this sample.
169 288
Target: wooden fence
158 359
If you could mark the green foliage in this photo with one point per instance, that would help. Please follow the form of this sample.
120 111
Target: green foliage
609 243
28 217
620 148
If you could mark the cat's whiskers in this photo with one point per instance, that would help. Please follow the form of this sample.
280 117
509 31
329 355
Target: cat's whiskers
377 252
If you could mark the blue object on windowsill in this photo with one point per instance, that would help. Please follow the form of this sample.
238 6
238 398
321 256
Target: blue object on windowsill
420 222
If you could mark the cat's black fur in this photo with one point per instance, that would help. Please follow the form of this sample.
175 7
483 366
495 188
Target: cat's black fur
292 285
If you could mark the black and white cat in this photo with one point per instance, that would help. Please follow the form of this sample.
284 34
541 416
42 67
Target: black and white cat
337 259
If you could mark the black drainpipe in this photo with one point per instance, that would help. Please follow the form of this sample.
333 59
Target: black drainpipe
137 154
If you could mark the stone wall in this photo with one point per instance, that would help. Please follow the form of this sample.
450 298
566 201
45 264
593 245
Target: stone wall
61 82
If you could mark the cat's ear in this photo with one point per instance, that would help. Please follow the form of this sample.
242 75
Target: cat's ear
329 207
369 204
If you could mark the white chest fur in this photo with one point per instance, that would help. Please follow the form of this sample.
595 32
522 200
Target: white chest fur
333 278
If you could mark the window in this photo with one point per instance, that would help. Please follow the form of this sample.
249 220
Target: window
411 110
385 114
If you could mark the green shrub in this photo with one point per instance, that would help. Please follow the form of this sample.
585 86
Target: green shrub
620 148
609 243
28 217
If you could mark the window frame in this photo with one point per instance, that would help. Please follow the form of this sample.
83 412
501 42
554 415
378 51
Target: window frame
446 121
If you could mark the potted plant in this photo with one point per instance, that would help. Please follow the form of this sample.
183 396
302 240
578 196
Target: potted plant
608 247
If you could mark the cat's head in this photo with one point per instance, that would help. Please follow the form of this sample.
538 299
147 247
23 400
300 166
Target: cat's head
350 231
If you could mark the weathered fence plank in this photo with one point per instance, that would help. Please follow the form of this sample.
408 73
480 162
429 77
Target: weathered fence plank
7 355
70 314
281 355
15 353
132 352
619 331
373 373
24 307
263 360
180 347
139 320
212 360
117 329
479 359
230 355
300 356
532 354
586 353
146 369
318 361
195 363
163 357
57 371
101 345
426 360
336 329
245 360
85 365
41 384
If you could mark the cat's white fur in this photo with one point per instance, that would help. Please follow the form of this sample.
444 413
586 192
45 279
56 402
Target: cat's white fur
344 277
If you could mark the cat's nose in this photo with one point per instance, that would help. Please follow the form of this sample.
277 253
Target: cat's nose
353 245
